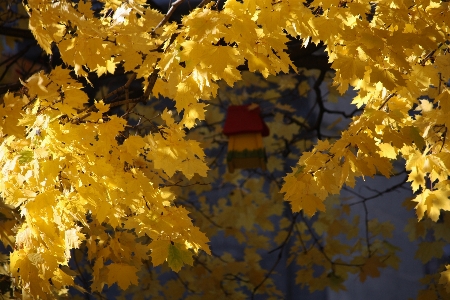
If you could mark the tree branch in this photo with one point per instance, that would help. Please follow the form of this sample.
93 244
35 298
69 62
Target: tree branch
203 3
168 15
17 32
280 254
319 101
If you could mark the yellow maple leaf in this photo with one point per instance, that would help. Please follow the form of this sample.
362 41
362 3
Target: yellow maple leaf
370 268
122 274
25 266
160 251
109 67
61 279
42 36
178 256
432 202
386 150
445 278
193 112
85 9
73 239
429 250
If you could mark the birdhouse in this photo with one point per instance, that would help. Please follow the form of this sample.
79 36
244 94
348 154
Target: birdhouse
245 129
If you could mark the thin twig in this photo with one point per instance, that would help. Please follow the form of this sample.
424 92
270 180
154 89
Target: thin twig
122 88
280 255
366 223
13 59
203 3
319 102
291 227
166 18
378 193
386 100
204 214
185 284
133 100
430 54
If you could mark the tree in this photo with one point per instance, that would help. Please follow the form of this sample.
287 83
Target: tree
100 189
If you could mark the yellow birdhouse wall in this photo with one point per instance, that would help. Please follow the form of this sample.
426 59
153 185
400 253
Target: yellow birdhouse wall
246 151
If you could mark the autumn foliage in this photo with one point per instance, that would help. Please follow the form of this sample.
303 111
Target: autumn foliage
101 190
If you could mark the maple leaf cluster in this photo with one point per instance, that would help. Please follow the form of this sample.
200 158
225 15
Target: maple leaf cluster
79 177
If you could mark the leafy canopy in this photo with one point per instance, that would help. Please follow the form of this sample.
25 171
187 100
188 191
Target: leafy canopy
83 176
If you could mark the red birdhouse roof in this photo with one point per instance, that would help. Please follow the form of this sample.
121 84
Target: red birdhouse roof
244 119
